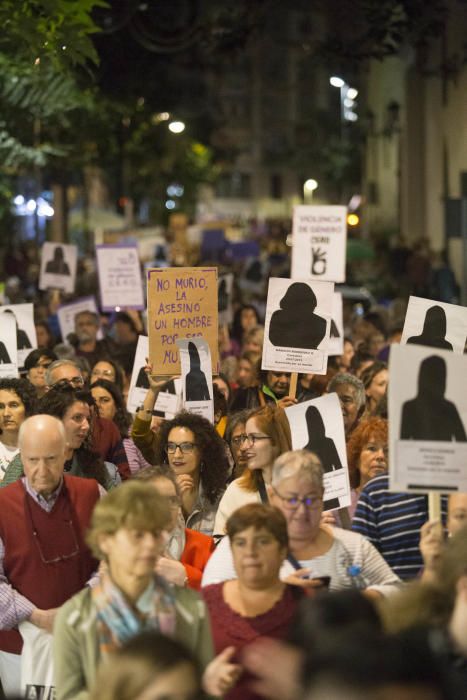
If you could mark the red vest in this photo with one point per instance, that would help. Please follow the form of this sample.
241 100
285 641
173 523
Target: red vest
46 558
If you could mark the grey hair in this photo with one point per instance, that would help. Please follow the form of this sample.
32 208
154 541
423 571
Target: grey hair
340 379
27 424
298 463
88 312
55 365
156 471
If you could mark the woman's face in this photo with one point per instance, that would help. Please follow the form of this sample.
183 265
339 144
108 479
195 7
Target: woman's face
248 319
245 374
36 375
257 557
347 355
303 521
165 487
222 386
262 453
131 551
103 370
42 337
373 460
105 402
12 411
186 456
77 423
179 683
377 388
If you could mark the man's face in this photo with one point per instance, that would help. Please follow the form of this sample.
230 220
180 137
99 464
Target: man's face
71 374
43 457
279 383
85 328
348 400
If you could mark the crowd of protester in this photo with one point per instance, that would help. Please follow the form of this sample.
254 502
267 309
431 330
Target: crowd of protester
179 558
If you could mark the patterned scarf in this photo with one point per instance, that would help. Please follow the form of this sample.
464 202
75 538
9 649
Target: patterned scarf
118 621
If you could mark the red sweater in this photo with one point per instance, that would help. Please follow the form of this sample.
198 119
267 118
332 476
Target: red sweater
34 540
198 549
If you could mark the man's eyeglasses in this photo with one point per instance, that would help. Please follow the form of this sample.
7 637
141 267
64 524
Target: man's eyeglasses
250 438
185 447
293 502
75 382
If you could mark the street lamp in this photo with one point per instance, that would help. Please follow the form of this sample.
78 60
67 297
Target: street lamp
176 127
309 186
347 95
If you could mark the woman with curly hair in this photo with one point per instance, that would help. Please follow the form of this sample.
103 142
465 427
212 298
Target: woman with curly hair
367 455
75 408
375 380
111 405
17 400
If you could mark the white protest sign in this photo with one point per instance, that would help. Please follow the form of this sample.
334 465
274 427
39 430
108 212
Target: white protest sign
427 403
224 298
297 326
336 335
435 324
318 426
67 312
195 360
319 239
167 404
26 340
8 350
58 267
119 273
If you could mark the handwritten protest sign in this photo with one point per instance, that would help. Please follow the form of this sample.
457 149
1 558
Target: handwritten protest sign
26 340
8 351
435 324
182 303
297 325
427 420
58 267
319 237
120 281
318 426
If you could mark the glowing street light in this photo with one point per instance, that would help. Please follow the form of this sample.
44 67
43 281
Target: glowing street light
176 127
337 82
309 186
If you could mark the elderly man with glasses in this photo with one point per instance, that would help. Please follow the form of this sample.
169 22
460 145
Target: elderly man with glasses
318 553
43 556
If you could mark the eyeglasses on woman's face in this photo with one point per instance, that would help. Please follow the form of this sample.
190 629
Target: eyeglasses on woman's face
311 502
184 447
251 439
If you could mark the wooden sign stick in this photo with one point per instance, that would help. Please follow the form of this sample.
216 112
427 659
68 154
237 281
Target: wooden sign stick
293 384
434 505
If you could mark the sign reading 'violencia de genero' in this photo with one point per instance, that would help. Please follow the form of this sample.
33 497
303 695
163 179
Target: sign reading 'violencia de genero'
182 303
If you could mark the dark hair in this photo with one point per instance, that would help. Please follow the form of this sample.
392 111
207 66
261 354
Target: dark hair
367 429
118 369
122 418
220 403
237 330
370 372
215 467
225 379
128 672
237 418
35 355
51 342
56 402
24 389
124 317
360 356
258 515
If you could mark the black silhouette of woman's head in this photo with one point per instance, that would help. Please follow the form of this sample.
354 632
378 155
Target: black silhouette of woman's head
298 295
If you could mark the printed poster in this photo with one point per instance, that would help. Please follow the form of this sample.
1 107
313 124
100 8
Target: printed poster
23 316
195 359
58 267
8 350
319 241
66 315
119 274
435 324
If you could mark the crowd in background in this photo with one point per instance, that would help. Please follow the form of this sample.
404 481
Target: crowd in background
204 558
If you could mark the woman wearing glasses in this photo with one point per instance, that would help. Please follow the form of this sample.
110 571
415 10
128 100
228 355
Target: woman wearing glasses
316 549
109 370
267 435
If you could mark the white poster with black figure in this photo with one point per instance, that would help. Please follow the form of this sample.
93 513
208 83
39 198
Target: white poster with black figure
319 240
195 360
318 426
8 350
66 316
26 340
119 272
435 324
427 403
297 326
224 299
336 334
168 402
58 267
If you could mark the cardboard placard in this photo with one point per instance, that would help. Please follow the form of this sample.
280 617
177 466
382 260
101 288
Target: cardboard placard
318 426
336 334
58 267
319 239
297 325
120 282
26 340
66 315
195 360
427 404
8 349
435 324
182 303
